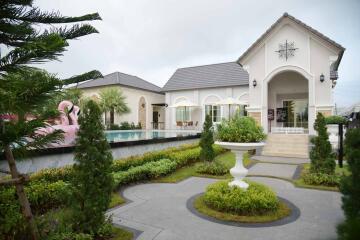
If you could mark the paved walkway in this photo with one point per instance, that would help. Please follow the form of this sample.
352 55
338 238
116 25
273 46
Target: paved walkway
281 159
159 211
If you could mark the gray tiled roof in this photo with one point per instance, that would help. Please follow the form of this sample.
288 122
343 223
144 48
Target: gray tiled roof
118 78
207 76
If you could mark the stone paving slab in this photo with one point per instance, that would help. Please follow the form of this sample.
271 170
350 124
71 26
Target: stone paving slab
288 160
272 169
159 211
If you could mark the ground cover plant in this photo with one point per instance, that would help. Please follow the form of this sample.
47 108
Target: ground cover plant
240 129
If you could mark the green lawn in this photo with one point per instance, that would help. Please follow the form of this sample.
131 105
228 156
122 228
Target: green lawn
227 158
116 200
121 234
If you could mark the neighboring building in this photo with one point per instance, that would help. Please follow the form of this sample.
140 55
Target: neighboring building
145 100
289 71
284 78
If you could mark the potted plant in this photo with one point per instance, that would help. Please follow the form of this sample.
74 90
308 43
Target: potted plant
240 134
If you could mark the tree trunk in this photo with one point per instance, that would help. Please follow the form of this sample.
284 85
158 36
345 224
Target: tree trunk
24 202
112 116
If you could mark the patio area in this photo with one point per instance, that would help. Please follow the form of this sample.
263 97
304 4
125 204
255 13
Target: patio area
159 210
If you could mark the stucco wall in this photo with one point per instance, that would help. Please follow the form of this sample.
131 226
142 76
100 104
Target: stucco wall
312 58
132 99
201 97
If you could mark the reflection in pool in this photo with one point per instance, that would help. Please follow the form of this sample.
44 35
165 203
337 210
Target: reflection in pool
133 135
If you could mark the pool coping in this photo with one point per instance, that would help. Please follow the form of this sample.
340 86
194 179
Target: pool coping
70 149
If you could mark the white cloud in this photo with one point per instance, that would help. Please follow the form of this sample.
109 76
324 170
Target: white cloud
151 39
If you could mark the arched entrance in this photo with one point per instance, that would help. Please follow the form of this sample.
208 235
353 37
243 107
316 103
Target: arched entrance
142 112
288 103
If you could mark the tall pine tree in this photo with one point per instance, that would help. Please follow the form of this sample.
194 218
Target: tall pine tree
207 140
24 89
93 180
321 156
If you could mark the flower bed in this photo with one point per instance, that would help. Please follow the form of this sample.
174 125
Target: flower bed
258 199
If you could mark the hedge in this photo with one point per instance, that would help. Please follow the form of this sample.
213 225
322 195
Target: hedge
65 173
145 172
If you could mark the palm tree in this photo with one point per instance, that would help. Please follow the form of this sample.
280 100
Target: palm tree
112 100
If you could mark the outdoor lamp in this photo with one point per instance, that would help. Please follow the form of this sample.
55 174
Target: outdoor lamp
322 77
254 83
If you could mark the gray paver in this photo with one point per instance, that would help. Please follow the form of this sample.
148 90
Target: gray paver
289 160
162 213
275 170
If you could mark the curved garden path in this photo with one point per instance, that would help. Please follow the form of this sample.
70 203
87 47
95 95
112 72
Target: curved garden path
158 210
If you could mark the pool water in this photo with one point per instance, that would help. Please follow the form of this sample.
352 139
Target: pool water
134 135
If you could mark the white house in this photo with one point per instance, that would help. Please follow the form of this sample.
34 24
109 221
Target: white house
284 78
145 100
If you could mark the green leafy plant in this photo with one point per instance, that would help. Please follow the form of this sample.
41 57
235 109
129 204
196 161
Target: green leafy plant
112 100
240 129
321 155
321 179
350 188
335 119
92 181
256 200
207 140
213 168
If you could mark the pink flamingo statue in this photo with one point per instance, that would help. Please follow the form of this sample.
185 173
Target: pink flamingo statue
69 127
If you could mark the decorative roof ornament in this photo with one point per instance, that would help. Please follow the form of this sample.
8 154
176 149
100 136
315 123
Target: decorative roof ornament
286 50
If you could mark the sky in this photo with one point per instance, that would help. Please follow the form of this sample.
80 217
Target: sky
152 38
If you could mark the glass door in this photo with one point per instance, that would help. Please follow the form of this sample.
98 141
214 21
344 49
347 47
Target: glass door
297 113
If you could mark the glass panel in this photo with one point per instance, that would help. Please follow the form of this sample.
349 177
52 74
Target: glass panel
182 114
297 113
216 114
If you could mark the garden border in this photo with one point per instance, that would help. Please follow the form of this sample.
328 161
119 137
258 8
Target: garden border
295 214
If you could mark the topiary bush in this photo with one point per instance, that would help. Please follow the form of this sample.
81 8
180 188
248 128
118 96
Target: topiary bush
240 129
335 120
321 155
206 141
258 199
213 168
350 188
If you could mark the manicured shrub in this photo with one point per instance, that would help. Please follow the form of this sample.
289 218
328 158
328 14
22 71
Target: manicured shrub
144 172
214 168
335 120
330 180
350 188
53 174
240 129
207 141
92 182
133 161
256 200
321 156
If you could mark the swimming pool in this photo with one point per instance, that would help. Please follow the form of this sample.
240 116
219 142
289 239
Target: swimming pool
135 135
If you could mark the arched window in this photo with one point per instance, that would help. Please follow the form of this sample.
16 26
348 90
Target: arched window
211 109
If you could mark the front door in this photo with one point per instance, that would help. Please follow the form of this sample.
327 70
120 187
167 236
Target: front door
296 113
156 120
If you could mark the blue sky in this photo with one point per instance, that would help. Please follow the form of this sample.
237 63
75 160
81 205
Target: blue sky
151 39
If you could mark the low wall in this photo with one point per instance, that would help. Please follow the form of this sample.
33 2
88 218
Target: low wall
53 158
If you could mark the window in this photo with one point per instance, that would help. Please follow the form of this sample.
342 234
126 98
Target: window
182 114
214 111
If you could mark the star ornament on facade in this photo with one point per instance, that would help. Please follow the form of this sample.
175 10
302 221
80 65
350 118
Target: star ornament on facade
286 50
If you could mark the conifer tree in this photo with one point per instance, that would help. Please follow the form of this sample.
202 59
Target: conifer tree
93 180
350 188
321 156
24 89
207 140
